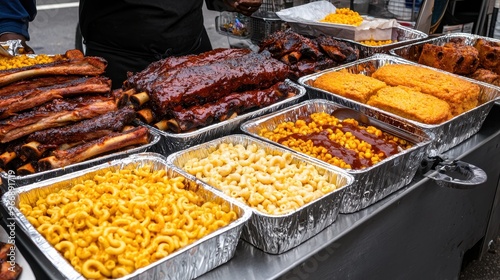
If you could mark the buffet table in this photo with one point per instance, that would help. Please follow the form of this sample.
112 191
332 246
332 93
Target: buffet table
420 232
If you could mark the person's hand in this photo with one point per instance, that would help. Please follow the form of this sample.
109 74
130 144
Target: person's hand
15 36
246 7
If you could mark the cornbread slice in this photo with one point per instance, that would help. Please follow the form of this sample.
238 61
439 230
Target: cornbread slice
411 104
460 94
357 87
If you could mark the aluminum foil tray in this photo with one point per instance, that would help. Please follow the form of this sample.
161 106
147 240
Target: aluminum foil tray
373 183
173 142
186 263
10 181
444 136
401 35
276 234
412 51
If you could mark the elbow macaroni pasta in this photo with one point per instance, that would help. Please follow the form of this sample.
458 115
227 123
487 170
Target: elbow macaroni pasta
117 222
272 184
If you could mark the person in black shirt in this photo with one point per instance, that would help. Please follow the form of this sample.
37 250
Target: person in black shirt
130 34
133 33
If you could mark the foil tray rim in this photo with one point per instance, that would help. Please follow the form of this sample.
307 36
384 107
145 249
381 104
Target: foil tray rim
109 156
350 179
244 127
399 60
29 229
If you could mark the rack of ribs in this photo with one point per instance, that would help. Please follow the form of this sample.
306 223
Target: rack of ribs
27 99
236 103
199 84
141 80
59 112
35 83
86 130
112 142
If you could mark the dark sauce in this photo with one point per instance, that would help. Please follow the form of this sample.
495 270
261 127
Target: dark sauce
320 139
379 144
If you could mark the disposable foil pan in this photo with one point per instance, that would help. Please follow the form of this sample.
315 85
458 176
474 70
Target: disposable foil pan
444 136
173 142
10 180
372 183
188 262
412 51
276 234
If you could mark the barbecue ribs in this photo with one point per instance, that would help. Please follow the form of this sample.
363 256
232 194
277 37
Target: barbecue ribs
282 43
85 130
337 50
59 112
112 142
30 98
189 86
141 80
35 83
236 103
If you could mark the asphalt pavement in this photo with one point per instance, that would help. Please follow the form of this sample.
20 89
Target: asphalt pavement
53 32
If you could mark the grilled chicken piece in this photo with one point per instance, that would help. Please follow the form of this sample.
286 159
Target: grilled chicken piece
8 269
452 57
486 76
31 98
489 54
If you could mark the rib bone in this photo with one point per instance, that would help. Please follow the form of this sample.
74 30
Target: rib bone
117 141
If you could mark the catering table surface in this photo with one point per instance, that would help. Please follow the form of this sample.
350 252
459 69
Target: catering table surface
420 232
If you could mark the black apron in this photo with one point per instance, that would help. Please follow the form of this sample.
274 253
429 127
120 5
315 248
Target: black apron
130 34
